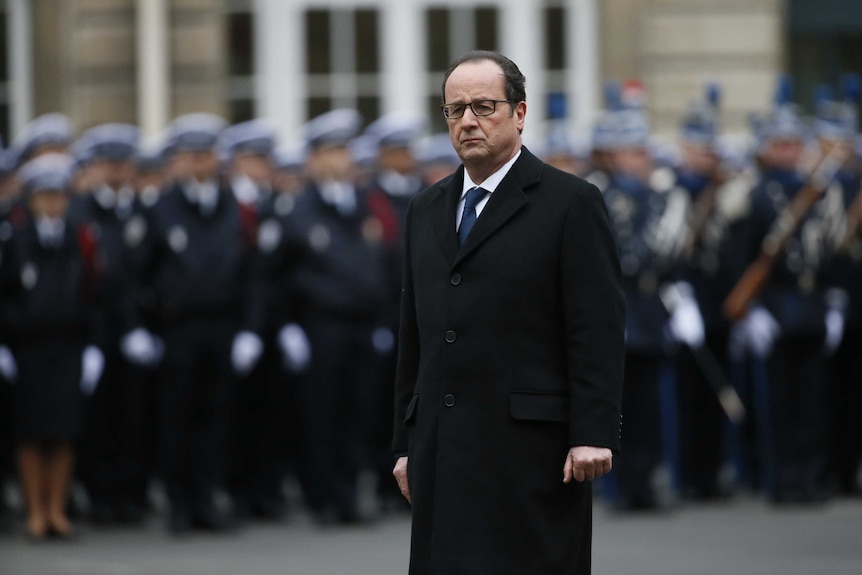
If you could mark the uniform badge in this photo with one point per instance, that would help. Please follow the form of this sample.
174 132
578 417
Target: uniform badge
319 238
623 208
178 239
134 231
29 276
284 204
268 236
372 230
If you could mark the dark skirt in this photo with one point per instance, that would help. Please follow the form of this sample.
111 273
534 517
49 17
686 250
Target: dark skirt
49 405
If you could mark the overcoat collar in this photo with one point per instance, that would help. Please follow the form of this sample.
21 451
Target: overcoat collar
507 200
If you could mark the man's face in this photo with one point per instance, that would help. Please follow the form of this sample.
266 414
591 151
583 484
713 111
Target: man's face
700 159
400 160
488 141
200 165
49 204
117 174
635 162
784 153
256 167
330 163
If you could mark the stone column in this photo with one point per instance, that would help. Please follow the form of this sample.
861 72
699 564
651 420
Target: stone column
280 73
153 66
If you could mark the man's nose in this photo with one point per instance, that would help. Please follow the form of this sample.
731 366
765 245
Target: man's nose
469 118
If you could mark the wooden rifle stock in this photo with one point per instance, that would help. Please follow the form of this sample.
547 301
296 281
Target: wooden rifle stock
746 289
755 277
854 223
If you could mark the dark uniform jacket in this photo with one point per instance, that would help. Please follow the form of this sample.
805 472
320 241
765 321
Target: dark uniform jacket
803 271
338 259
510 352
196 263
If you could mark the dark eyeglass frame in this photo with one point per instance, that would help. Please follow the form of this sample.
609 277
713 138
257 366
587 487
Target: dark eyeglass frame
447 108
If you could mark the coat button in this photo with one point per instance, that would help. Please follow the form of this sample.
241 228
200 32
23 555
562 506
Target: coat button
455 279
448 400
451 336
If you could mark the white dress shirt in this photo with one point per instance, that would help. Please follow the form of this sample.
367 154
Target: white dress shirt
490 184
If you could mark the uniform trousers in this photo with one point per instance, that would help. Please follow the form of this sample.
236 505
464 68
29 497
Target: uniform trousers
195 409
641 441
338 410
701 420
796 460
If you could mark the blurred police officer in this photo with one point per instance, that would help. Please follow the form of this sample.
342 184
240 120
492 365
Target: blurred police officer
113 448
289 163
710 268
339 286
788 325
46 285
565 151
258 433
647 212
836 125
46 134
197 273
394 183
436 158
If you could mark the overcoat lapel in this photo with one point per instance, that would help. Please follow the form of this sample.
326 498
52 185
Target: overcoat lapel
506 201
444 206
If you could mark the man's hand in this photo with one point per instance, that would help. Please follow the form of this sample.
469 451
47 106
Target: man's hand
582 463
400 473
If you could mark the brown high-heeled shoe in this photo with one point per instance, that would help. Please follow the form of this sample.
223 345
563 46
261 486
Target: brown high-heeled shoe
61 528
37 528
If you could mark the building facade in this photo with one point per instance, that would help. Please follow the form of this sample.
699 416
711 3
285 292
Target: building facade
147 61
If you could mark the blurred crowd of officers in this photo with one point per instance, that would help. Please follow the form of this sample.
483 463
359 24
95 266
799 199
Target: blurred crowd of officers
218 313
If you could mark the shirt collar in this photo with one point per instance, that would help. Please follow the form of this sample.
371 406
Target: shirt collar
492 181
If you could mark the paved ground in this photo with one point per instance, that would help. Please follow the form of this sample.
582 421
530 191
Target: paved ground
745 537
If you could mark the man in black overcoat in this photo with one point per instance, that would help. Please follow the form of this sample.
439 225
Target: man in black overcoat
510 347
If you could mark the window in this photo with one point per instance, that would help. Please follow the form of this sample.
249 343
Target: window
554 27
342 48
451 32
240 66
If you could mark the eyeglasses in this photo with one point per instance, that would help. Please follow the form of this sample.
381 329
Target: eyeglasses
480 108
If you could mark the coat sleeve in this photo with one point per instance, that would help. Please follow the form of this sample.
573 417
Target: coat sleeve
594 316
408 348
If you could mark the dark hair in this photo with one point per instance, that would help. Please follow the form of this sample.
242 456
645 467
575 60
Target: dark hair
515 80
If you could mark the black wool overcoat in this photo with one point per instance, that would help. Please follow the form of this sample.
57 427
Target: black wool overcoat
510 352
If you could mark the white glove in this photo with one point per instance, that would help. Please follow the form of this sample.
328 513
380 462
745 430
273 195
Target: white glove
761 330
383 340
8 366
686 322
246 350
141 348
295 348
834 331
92 365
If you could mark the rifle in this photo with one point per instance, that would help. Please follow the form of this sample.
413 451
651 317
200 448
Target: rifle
754 278
718 381
854 224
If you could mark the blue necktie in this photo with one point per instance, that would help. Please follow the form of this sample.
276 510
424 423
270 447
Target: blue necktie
468 218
